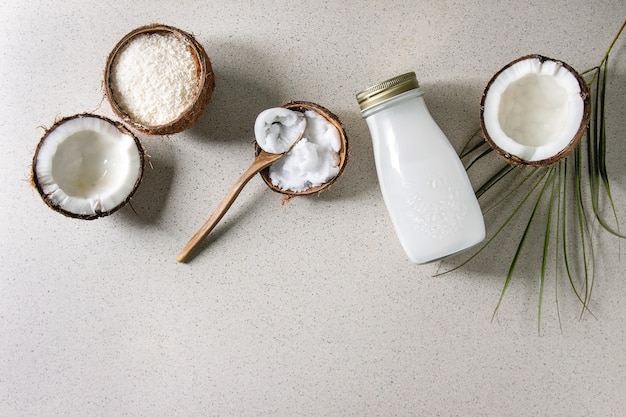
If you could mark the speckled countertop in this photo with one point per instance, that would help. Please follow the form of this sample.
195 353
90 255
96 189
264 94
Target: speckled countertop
308 308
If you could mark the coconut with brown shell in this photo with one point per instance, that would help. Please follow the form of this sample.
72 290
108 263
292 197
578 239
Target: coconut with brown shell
535 111
341 153
159 79
87 166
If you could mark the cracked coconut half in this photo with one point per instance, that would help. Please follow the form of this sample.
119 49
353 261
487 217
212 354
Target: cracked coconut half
535 111
87 166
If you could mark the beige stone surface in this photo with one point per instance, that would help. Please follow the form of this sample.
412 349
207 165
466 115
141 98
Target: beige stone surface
308 308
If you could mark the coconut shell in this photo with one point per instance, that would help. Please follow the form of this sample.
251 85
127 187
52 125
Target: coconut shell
206 79
303 106
56 207
516 160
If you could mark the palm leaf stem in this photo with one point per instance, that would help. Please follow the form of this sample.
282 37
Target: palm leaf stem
522 241
500 229
546 247
574 158
602 150
560 195
605 58
596 156
479 157
494 180
467 150
585 235
512 190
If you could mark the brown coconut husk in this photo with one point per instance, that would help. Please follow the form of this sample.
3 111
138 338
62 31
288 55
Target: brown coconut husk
303 106
206 80
48 200
584 123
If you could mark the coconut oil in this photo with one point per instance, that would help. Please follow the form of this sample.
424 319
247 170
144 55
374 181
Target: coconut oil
428 195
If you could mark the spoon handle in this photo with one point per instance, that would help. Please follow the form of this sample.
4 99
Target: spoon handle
263 160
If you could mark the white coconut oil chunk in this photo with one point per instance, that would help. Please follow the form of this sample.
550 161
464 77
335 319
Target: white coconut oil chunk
313 161
88 166
277 129
155 78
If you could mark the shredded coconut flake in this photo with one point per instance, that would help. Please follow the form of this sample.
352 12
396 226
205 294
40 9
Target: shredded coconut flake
154 78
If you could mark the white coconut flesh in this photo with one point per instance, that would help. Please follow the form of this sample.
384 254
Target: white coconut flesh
87 167
533 109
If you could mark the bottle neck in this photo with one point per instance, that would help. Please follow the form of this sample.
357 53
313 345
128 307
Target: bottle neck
407 95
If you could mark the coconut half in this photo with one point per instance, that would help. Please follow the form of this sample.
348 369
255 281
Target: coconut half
159 79
87 166
303 107
535 110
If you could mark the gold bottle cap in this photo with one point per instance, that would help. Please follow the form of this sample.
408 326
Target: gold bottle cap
386 90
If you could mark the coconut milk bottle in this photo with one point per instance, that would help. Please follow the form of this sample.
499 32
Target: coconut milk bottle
428 195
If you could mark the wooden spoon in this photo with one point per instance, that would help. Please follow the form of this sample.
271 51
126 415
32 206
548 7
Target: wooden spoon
262 160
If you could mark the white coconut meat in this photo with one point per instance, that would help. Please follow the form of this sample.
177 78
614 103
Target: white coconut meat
534 110
87 167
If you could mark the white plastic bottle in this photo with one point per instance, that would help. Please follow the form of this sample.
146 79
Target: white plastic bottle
429 197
